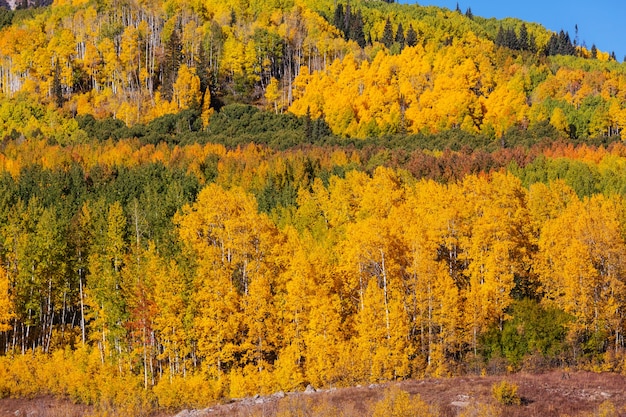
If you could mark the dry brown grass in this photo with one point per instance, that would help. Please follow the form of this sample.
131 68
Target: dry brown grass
549 394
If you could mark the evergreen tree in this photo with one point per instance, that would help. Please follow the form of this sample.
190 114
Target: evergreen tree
565 46
560 45
338 18
468 13
387 39
203 68
532 43
411 36
356 29
552 45
510 39
173 59
400 36
500 37
57 88
594 51
458 9
347 18
523 41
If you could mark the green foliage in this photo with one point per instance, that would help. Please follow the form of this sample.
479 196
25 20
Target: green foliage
102 130
6 17
531 330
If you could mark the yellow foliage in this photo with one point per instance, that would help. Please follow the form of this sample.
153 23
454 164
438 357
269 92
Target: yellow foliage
6 304
398 403
192 390
186 88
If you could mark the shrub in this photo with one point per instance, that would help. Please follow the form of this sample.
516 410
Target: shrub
506 393
398 403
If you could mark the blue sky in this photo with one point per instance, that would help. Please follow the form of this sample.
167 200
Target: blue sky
600 22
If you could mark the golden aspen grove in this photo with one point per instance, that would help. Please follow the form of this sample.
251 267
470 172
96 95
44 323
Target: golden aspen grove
211 199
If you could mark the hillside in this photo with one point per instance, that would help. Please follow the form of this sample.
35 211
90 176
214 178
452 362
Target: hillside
367 69
211 200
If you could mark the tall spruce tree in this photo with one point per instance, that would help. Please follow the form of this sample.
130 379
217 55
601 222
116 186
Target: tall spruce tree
173 59
339 18
400 36
356 29
411 36
388 37
57 88
522 40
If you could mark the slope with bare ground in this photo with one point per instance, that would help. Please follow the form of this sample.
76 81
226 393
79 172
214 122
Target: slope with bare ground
550 394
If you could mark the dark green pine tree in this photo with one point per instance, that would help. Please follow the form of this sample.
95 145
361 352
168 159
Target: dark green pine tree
308 127
510 39
203 68
500 41
57 88
388 37
552 45
468 13
400 40
532 43
173 58
347 18
339 18
565 44
411 36
458 9
594 51
523 41
356 29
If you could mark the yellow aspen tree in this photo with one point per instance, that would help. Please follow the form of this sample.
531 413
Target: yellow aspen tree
207 110
559 121
580 265
297 278
229 241
497 249
547 202
103 294
173 334
186 88
432 300
506 106
373 262
6 304
272 95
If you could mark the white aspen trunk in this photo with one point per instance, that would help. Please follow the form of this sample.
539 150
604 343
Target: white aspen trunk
382 255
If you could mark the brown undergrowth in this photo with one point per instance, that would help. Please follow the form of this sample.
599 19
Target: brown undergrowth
554 393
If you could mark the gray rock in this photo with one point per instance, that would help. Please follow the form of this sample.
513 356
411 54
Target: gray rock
279 394
309 389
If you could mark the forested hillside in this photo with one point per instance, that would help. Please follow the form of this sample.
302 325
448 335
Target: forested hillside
366 68
205 200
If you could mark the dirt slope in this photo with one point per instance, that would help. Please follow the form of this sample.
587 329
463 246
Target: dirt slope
550 394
